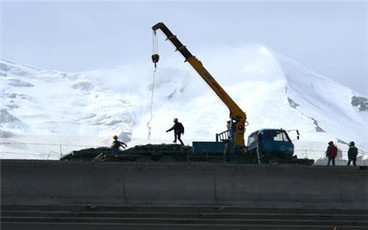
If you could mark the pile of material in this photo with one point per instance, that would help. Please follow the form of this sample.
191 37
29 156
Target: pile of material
131 154
86 154
163 147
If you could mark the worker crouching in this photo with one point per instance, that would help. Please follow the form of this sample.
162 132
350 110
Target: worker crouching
115 147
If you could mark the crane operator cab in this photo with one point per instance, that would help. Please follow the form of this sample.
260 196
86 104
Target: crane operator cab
270 144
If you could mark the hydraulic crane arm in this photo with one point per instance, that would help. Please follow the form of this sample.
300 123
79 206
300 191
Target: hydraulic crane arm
237 116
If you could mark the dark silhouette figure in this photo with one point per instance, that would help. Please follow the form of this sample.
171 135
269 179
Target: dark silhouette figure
331 153
352 153
178 130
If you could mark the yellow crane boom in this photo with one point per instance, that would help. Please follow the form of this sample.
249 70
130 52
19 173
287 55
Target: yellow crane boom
237 116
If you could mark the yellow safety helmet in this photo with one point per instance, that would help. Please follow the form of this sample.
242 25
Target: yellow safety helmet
115 137
175 119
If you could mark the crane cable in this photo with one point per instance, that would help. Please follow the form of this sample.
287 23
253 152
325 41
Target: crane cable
155 58
151 104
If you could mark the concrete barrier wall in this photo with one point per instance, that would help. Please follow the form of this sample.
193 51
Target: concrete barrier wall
115 183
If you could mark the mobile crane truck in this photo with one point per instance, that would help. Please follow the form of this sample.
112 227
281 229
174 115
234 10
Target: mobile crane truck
264 146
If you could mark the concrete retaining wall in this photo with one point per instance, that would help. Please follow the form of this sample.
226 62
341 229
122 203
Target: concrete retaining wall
113 183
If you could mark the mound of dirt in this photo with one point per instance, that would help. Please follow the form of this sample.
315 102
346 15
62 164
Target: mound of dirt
92 153
86 154
165 147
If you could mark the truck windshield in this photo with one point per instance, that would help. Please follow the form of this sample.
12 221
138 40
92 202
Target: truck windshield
281 136
253 138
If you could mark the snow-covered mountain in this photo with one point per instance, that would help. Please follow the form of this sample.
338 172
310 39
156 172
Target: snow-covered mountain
273 90
55 103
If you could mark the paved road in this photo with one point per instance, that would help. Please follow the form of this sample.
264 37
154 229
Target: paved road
35 217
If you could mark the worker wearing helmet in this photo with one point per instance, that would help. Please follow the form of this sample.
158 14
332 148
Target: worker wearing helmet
352 153
178 130
117 144
331 153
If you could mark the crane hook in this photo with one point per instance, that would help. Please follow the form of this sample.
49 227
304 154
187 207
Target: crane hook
155 58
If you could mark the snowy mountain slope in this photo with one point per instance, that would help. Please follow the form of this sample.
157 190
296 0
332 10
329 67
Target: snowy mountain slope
274 91
266 86
55 103
328 103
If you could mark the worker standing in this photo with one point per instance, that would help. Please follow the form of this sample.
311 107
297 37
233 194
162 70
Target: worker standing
352 153
178 130
117 144
331 153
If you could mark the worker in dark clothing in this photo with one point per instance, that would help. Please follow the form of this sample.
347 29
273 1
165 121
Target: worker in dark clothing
352 153
331 153
117 144
178 130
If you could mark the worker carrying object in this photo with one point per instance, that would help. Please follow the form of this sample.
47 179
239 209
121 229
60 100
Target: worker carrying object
178 130
117 144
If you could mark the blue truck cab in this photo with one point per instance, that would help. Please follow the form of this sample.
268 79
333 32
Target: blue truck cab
264 146
270 144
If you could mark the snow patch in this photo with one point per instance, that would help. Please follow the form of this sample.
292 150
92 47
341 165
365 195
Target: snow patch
19 83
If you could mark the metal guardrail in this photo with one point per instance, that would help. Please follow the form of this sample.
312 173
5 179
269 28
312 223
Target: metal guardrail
32 150
223 136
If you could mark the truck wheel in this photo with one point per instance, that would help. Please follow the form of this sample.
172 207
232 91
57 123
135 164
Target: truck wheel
167 159
143 159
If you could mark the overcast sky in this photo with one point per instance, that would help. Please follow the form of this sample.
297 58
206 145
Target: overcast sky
330 37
